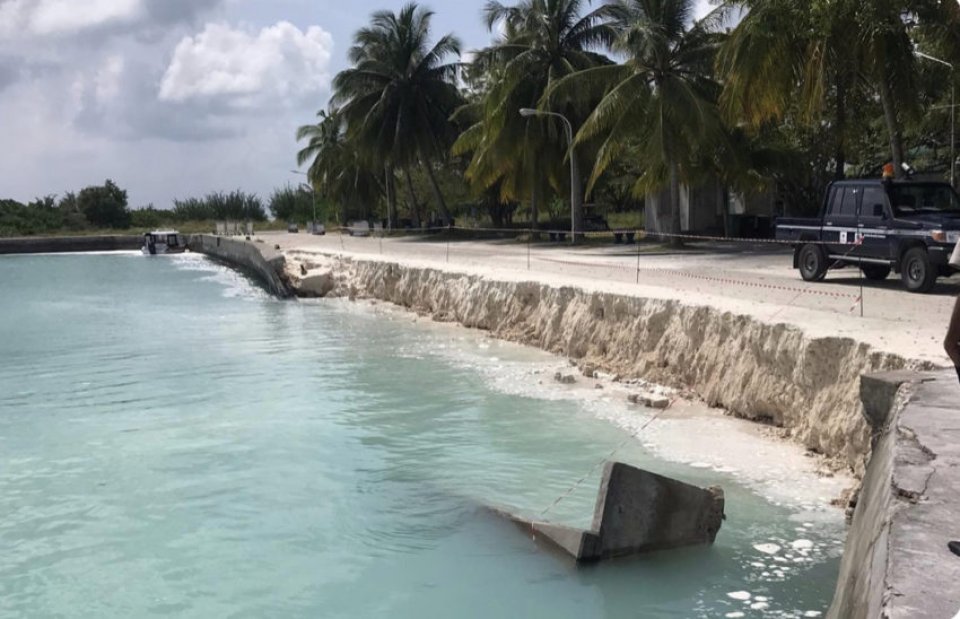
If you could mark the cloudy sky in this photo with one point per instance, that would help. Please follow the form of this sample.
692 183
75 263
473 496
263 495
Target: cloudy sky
172 98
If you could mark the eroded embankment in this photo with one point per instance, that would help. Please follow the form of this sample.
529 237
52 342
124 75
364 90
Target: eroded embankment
770 373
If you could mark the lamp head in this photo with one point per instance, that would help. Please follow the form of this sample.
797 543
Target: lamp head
527 112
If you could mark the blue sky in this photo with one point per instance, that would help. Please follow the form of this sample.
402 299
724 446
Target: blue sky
174 98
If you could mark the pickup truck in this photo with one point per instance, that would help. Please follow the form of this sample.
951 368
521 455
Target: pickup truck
908 227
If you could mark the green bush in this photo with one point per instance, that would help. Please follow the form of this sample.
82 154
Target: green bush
105 206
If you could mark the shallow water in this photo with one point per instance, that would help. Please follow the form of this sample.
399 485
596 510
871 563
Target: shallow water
173 442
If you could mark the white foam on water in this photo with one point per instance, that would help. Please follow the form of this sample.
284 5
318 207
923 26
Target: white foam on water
735 615
767 549
802 544
235 284
817 613
740 596
759 606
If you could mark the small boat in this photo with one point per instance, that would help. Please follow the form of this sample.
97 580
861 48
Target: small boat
161 242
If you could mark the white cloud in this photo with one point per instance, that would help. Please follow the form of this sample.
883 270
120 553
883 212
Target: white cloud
703 8
244 69
50 17
108 79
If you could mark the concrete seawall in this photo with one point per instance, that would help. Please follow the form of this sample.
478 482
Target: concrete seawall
65 244
261 263
896 563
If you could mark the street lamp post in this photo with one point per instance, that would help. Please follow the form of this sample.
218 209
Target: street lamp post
313 190
529 112
953 114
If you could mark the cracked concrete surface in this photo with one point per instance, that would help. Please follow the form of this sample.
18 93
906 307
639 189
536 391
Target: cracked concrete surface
896 562
923 573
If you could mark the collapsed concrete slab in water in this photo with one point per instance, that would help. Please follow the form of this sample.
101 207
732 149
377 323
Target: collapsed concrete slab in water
637 511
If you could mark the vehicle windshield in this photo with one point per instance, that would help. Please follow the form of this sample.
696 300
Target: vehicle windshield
924 198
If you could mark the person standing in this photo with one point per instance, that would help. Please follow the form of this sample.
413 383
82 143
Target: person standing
952 345
952 342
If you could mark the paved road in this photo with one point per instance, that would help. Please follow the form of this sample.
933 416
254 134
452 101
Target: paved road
758 280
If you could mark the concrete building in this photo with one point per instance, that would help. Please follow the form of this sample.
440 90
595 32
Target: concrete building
713 209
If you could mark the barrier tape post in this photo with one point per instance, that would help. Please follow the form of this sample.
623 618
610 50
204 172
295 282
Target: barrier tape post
529 241
638 259
861 284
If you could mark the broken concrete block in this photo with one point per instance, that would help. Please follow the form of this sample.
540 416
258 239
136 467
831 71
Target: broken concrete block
649 400
636 512
658 402
639 511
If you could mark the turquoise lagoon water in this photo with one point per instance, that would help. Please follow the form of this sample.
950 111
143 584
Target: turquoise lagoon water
175 443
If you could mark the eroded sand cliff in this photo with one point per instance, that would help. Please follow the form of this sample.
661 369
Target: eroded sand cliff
766 372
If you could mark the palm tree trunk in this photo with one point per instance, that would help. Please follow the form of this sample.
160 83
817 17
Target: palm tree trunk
391 197
676 223
447 220
414 203
534 204
840 155
577 197
893 124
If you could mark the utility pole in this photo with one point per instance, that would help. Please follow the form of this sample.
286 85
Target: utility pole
527 113
953 113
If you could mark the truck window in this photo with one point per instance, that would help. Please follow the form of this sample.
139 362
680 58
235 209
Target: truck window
924 198
848 207
836 195
874 199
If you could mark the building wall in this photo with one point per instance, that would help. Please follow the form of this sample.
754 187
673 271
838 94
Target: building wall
703 208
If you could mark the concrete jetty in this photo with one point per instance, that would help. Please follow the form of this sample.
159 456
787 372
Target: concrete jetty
261 262
896 563
65 244
637 512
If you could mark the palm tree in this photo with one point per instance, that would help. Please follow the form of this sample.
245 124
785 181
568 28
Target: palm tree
338 170
791 55
398 97
785 51
541 42
662 98
890 65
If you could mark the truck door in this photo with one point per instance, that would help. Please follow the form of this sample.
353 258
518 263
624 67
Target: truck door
840 219
874 224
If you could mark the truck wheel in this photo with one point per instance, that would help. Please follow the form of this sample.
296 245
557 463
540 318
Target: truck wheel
813 263
876 272
918 274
